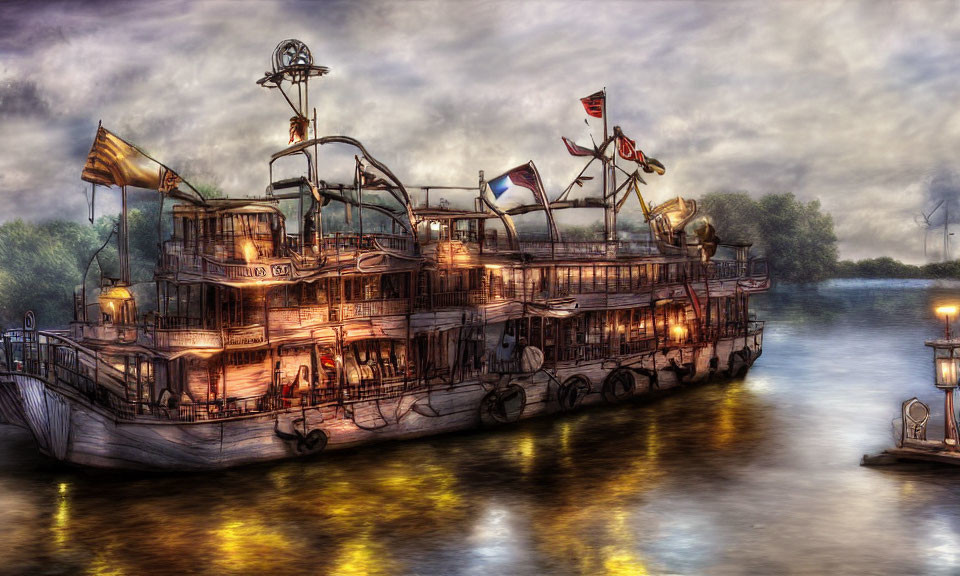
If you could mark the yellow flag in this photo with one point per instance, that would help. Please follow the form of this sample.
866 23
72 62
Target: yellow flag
112 161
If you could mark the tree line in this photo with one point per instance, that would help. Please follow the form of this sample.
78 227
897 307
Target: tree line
43 263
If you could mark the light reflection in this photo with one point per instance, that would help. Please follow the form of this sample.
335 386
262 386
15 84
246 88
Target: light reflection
725 431
565 429
495 546
247 545
526 448
101 566
61 519
361 557
943 543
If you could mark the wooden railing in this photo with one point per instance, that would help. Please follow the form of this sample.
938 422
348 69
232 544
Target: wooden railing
637 346
53 358
373 308
187 338
574 249
342 242
296 321
241 336
583 352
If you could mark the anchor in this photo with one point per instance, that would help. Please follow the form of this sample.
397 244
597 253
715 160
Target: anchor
306 441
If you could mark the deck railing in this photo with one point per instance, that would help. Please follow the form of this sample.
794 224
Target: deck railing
374 308
53 358
343 242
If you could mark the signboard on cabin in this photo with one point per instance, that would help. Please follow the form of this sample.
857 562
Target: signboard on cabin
250 271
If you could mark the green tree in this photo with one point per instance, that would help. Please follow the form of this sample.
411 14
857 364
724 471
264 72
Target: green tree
40 266
735 215
797 238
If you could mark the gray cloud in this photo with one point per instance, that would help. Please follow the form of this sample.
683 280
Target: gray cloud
19 98
849 103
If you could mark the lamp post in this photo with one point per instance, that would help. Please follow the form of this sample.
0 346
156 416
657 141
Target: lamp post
946 363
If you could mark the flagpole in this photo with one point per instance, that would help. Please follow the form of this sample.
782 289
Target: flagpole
123 245
606 218
613 178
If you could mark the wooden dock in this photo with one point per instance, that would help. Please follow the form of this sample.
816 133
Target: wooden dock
916 451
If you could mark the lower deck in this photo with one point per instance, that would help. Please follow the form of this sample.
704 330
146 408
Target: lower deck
69 426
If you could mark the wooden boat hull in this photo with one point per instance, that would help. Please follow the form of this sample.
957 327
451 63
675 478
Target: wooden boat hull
69 428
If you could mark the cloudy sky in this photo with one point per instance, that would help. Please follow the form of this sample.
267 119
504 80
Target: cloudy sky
854 104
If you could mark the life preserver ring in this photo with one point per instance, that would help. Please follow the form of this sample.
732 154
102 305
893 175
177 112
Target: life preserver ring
504 405
572 392
619 384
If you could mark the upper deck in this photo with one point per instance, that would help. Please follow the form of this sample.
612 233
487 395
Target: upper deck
245 242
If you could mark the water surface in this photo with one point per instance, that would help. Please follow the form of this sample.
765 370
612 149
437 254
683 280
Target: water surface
756 476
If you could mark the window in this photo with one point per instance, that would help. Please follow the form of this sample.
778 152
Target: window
246 357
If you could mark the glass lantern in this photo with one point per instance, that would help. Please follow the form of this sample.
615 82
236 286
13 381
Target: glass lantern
946 372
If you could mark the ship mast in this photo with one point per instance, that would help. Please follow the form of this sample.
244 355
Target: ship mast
607 220
608 178
293 63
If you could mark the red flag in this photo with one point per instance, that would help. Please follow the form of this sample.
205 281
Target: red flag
526 177
628 150
575 149
594 104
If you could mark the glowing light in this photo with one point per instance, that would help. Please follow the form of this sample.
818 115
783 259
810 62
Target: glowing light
946 372
117 293
949 310
249 250
679 332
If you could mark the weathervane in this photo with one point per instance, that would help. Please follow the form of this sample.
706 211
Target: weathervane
293 62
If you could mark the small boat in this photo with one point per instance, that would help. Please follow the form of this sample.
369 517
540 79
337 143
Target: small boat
336 311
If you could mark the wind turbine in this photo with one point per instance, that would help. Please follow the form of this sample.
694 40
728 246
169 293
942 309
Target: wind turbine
923 221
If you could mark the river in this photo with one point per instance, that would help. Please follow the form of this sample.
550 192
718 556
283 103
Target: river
756 476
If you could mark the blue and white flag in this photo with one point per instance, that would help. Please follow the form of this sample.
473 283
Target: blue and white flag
511 190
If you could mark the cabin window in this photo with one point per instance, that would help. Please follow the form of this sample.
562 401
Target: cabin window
246 357
587 277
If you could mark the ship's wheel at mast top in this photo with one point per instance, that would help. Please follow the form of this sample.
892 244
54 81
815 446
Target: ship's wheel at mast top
293 64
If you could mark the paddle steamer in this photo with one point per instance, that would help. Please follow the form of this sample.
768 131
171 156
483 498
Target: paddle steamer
328 314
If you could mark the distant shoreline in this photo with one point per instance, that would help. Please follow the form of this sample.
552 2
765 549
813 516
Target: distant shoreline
886 267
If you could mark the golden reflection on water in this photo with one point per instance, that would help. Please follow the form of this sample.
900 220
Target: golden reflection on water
62 516
362 557
568 488
249 546
725 428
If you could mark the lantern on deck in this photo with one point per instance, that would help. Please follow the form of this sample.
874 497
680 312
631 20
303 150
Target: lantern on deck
117 305
946 373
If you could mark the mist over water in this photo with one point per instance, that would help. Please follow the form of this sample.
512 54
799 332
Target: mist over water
757 476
